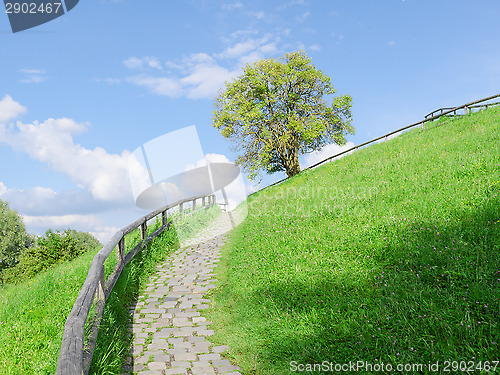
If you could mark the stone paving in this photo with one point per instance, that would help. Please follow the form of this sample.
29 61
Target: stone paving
169 334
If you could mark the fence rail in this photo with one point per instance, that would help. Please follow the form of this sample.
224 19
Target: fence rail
430 117
466 109
74 357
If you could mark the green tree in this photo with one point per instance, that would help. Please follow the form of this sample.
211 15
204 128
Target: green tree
13 236
49 250
277 110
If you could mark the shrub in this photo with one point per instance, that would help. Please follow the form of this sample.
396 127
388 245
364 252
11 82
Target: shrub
53 248
13 236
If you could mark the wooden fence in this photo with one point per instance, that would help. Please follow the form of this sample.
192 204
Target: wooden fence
74 357
430 117
455 111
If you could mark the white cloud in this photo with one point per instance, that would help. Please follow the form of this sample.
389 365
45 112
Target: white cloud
217 158
291 3
325 152
201 75
303 16
33 75
9 109
259 15
45 201
205 81
141 63
159 85
250 47
104 175
109 81
239 34
232 6
102 178
87 223
240 49
112 81
34 79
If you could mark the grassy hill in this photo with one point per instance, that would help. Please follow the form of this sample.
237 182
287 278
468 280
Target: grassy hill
391 254
33 313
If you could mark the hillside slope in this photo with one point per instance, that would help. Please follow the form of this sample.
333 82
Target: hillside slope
387 255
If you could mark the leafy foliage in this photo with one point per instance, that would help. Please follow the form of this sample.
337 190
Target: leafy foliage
277 110
13 236
54 248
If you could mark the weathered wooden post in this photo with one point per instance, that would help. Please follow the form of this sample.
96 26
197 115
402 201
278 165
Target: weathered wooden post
181 209
203 202
120 253
144 230
164 218
194 204
101 287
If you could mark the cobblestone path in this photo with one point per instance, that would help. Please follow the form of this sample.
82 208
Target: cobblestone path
170 336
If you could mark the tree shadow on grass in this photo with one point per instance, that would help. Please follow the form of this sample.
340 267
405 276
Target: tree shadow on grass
432 297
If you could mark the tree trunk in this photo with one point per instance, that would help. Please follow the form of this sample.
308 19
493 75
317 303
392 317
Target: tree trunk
292 166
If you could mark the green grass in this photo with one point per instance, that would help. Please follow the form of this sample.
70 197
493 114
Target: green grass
191 224
114 339
391 254
33 312
32 317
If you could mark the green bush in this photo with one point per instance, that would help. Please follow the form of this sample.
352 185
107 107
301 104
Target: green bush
52 249
13 236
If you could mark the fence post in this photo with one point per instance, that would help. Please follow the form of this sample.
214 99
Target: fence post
423 125
203 202
144 230
164 217
101 286
194 204
181 209
120 252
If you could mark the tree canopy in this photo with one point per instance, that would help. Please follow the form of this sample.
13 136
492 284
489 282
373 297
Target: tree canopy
13 236
277 110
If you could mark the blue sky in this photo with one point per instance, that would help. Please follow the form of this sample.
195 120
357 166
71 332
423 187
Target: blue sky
80 93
